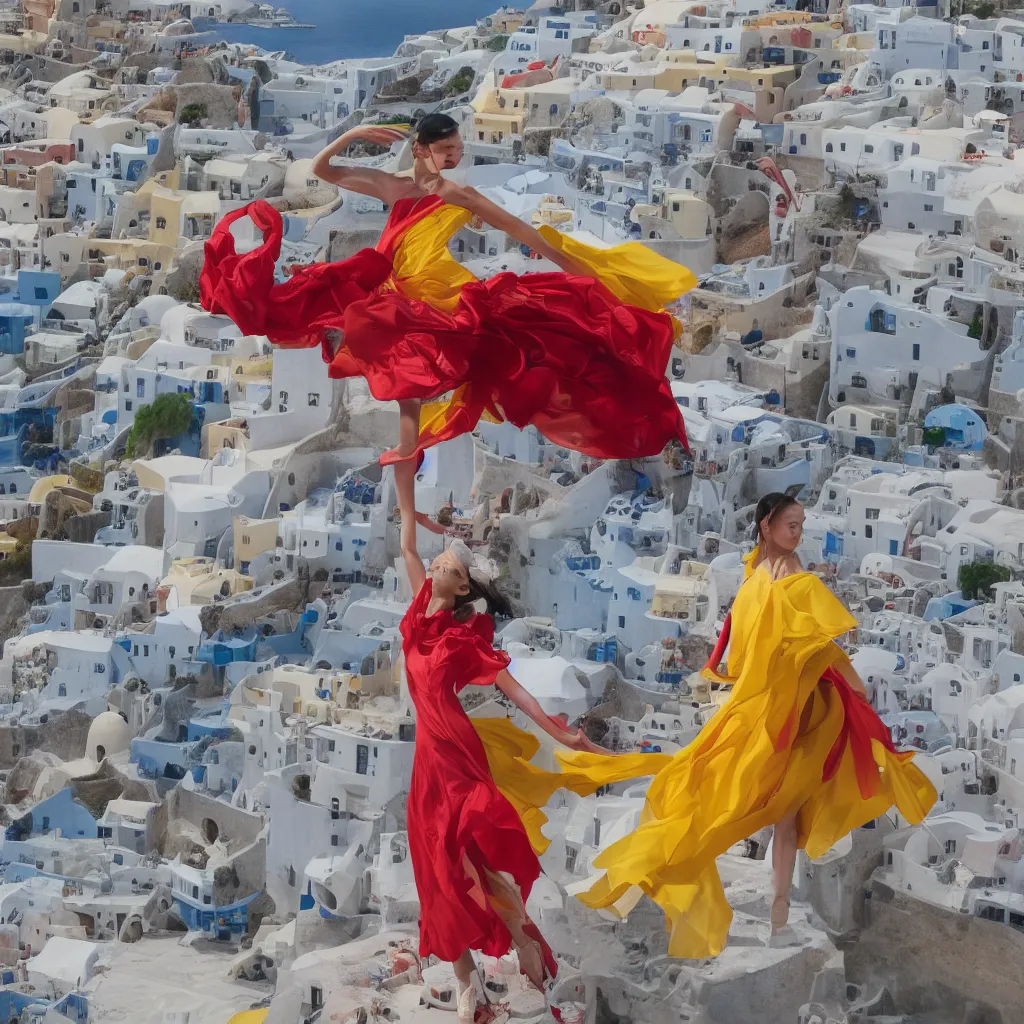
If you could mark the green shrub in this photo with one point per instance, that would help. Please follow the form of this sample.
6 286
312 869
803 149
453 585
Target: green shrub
17 566
167 416
497 43
975 579
192 112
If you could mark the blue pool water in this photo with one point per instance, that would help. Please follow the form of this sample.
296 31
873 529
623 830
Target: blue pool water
357 28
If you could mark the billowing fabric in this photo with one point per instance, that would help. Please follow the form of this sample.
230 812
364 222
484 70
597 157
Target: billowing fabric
793 737
455 813
582 359
510 752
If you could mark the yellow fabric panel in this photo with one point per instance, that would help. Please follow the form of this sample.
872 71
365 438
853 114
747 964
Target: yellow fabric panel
760 758
631 272
250 1017
528 788
423 267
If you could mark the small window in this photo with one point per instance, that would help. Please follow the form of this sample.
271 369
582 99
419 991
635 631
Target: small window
313 398
869 532
161 223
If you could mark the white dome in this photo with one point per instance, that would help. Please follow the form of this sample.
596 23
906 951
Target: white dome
109 734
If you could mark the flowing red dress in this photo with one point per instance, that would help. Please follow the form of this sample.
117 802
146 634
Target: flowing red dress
455 810
583 359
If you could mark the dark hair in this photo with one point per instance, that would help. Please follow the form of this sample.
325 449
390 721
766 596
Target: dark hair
768 507
434 128
497 603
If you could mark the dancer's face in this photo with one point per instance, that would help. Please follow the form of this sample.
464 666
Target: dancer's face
449 577
444 155
785 529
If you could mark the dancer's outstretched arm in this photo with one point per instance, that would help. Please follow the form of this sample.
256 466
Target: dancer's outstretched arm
366 180
405 485
507 683
493 214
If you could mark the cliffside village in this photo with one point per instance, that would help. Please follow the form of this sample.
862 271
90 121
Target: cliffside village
205 736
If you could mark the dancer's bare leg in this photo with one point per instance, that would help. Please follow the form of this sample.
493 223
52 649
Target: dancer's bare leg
464 968
408 427
507 902
784 845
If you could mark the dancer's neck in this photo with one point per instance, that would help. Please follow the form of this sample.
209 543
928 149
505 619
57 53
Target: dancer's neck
426 178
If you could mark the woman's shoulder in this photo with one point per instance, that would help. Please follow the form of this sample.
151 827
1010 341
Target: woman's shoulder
457 194
806 593
416 612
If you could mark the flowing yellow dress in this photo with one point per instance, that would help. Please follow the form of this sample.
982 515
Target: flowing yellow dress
791 738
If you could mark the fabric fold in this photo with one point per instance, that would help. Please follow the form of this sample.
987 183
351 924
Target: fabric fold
572 356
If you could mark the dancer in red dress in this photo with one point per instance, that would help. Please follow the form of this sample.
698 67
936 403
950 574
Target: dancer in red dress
471 856
581 354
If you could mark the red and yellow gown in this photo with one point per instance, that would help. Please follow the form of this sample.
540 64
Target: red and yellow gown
793 737
583 359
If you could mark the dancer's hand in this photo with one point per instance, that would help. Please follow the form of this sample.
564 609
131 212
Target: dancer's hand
382 135
425 521
580 741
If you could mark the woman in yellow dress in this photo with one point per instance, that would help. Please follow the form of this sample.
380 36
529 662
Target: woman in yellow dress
796 745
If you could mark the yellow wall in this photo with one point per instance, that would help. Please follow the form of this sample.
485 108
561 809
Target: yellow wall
493 124
679 76
766 78
168 208
215 434
253 537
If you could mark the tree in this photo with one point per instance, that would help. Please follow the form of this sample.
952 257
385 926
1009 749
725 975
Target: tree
459 82
497 43
983 10
974 331
167 416
975 579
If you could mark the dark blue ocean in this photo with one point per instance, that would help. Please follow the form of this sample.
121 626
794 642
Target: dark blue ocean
357 28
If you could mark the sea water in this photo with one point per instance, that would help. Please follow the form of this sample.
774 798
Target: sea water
356 28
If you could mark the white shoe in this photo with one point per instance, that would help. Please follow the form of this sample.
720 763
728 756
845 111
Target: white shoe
474 1009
